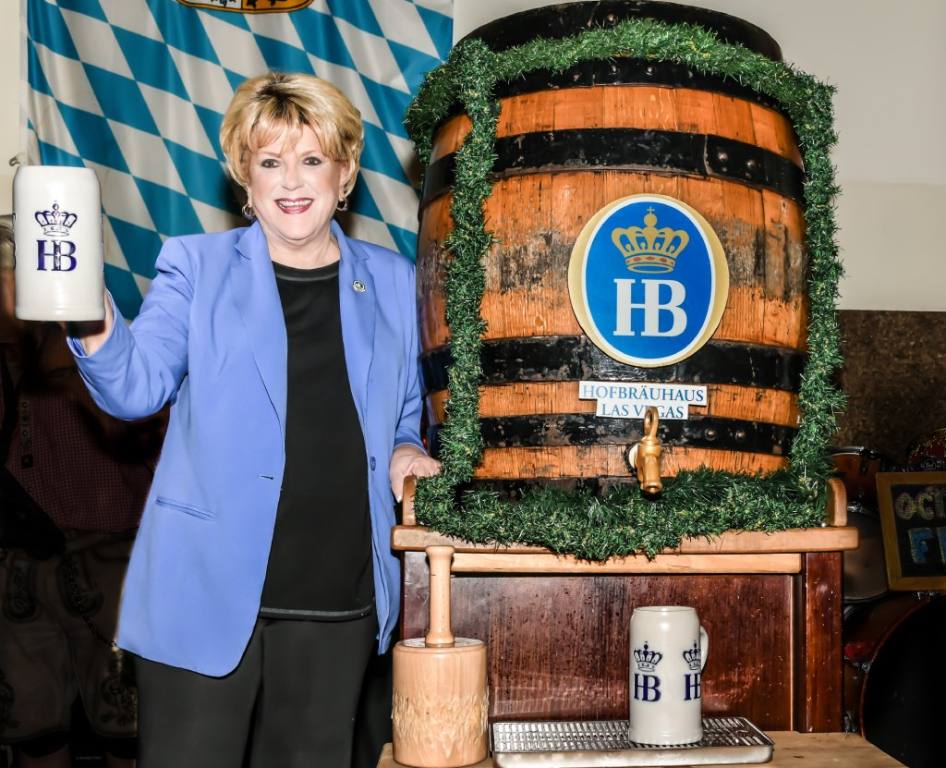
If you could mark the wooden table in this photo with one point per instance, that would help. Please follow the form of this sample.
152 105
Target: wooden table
792 750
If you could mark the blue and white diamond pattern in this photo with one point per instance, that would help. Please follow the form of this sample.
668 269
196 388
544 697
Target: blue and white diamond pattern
136 90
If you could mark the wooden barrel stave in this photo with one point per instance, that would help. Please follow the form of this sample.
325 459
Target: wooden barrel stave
632 106
536 219
554 397
555 22
579 461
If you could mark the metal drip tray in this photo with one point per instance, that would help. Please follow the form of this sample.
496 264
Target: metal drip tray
584 744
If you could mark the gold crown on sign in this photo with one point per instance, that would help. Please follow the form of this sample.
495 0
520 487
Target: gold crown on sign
649 249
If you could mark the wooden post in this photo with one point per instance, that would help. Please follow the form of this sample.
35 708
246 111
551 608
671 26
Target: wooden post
438 631
818 643
407 501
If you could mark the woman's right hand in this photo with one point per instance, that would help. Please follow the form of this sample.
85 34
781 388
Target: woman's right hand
93 333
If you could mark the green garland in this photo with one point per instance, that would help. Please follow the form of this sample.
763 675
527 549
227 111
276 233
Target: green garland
694 503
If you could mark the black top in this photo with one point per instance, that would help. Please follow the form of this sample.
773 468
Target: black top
320 562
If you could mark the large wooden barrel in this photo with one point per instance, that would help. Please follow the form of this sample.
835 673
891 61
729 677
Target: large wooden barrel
568 144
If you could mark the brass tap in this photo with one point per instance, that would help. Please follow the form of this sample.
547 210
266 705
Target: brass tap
645 455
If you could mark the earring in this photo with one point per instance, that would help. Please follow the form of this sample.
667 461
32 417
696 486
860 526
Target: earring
342 204
248 211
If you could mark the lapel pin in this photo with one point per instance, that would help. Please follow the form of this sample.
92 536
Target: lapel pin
358 286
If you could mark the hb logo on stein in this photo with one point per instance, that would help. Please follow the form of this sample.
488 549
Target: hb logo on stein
56 253
691 685
647 684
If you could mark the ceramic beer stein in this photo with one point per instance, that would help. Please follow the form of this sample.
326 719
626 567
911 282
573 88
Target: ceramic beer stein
57 229
668 652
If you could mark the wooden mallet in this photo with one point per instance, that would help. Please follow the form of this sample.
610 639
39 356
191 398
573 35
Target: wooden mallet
440 697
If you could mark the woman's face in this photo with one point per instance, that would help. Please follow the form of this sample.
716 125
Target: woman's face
294 189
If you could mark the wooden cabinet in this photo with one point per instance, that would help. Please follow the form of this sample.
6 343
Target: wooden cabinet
557 628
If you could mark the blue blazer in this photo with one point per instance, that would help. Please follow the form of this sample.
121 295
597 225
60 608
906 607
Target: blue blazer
211 339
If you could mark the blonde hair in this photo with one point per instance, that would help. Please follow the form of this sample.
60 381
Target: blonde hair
265 107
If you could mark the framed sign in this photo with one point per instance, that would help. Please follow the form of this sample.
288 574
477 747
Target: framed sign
913 517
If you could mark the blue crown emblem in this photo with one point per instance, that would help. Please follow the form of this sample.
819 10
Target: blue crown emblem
693 658
55 223
646 659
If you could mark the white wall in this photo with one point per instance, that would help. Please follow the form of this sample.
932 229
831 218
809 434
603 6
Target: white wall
10 138
888 62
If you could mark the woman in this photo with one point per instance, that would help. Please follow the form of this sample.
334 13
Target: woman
262 573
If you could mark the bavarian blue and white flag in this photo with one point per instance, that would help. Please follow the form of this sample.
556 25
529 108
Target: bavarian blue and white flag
136 90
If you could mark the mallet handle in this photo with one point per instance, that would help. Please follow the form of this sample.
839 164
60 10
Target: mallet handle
439 634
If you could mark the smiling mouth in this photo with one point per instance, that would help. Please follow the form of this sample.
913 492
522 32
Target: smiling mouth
300 205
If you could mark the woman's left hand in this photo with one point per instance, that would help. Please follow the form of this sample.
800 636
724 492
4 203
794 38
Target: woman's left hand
406 460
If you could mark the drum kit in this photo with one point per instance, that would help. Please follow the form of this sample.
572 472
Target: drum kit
891 640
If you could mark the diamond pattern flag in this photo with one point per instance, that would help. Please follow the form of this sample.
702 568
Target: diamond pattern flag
136 90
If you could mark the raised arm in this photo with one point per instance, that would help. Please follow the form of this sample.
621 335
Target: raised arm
132 371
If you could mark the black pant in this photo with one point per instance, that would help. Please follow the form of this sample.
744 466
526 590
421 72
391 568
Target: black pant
373 723
292 699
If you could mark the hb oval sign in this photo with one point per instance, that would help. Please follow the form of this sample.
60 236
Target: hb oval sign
648 280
